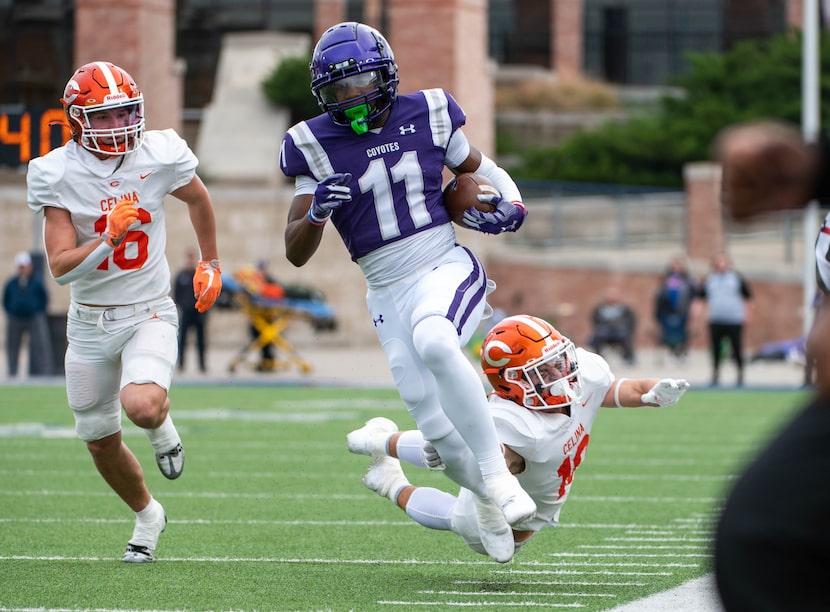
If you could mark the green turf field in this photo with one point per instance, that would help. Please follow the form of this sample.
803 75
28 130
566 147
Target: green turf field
270 513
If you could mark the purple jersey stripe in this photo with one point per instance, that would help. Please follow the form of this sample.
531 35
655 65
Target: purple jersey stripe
468 294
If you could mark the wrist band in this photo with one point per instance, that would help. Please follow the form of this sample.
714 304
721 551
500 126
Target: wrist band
617 392
314 220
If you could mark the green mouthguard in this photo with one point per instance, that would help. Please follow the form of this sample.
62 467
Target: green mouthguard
358 115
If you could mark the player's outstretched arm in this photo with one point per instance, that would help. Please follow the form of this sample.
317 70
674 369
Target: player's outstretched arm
633 392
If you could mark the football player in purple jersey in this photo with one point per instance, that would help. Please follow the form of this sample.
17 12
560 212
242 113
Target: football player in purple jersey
372 162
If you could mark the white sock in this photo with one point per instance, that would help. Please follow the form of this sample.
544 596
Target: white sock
431 508
409 447
146 530
149 511
164 437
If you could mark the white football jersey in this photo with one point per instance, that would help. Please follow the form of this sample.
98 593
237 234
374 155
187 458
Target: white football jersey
73 179
553 445
823 255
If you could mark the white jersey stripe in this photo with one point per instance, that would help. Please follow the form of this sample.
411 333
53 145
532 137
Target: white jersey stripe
439 119
316 158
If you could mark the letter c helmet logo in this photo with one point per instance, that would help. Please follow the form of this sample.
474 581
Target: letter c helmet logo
491 355
71 92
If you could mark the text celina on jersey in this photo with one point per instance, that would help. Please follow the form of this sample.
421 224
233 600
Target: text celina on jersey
71 178
397 172
553 445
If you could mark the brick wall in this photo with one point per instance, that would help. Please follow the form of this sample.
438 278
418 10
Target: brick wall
566 28
567 295
138 36
443 43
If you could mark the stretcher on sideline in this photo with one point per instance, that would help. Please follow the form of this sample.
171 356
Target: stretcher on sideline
271 309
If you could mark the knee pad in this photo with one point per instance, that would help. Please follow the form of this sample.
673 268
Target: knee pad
92 392
435 338
405 372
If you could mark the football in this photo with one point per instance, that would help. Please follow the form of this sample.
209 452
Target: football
461 194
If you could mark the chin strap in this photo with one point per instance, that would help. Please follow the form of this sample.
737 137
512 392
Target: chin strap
358 114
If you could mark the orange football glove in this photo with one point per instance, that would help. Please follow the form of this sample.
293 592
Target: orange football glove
207 284
119 221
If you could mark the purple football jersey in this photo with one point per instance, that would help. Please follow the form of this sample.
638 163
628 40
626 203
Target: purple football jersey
396 173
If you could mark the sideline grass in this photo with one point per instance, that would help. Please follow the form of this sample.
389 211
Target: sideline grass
270 513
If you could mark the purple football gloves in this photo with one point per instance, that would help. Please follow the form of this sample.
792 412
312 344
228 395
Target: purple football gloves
508 216
332 193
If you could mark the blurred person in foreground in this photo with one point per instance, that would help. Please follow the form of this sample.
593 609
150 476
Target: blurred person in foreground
102 198
546 395
25 300
373 164
772 544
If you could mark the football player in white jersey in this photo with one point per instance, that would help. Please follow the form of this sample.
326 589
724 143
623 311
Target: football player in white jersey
373 163
546 396
104 234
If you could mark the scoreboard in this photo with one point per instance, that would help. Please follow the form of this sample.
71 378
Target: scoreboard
29 132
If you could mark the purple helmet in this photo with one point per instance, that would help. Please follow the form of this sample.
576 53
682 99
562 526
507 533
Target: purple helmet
350 55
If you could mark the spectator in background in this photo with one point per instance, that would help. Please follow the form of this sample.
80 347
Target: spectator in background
614 323
726 293
25 299
672 306
189 316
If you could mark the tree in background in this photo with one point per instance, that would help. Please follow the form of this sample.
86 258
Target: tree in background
756 79
289 86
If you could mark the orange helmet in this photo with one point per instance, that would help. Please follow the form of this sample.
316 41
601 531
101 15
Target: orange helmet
100 86
529 362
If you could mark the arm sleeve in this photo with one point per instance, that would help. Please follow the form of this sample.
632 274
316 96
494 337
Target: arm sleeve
508 189
87 265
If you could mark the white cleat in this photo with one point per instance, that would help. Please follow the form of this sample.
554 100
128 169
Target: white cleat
506 492
385 477
496 535
371 438
171 463
146 534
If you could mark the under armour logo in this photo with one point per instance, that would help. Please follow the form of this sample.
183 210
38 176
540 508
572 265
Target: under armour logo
378 321
406 129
